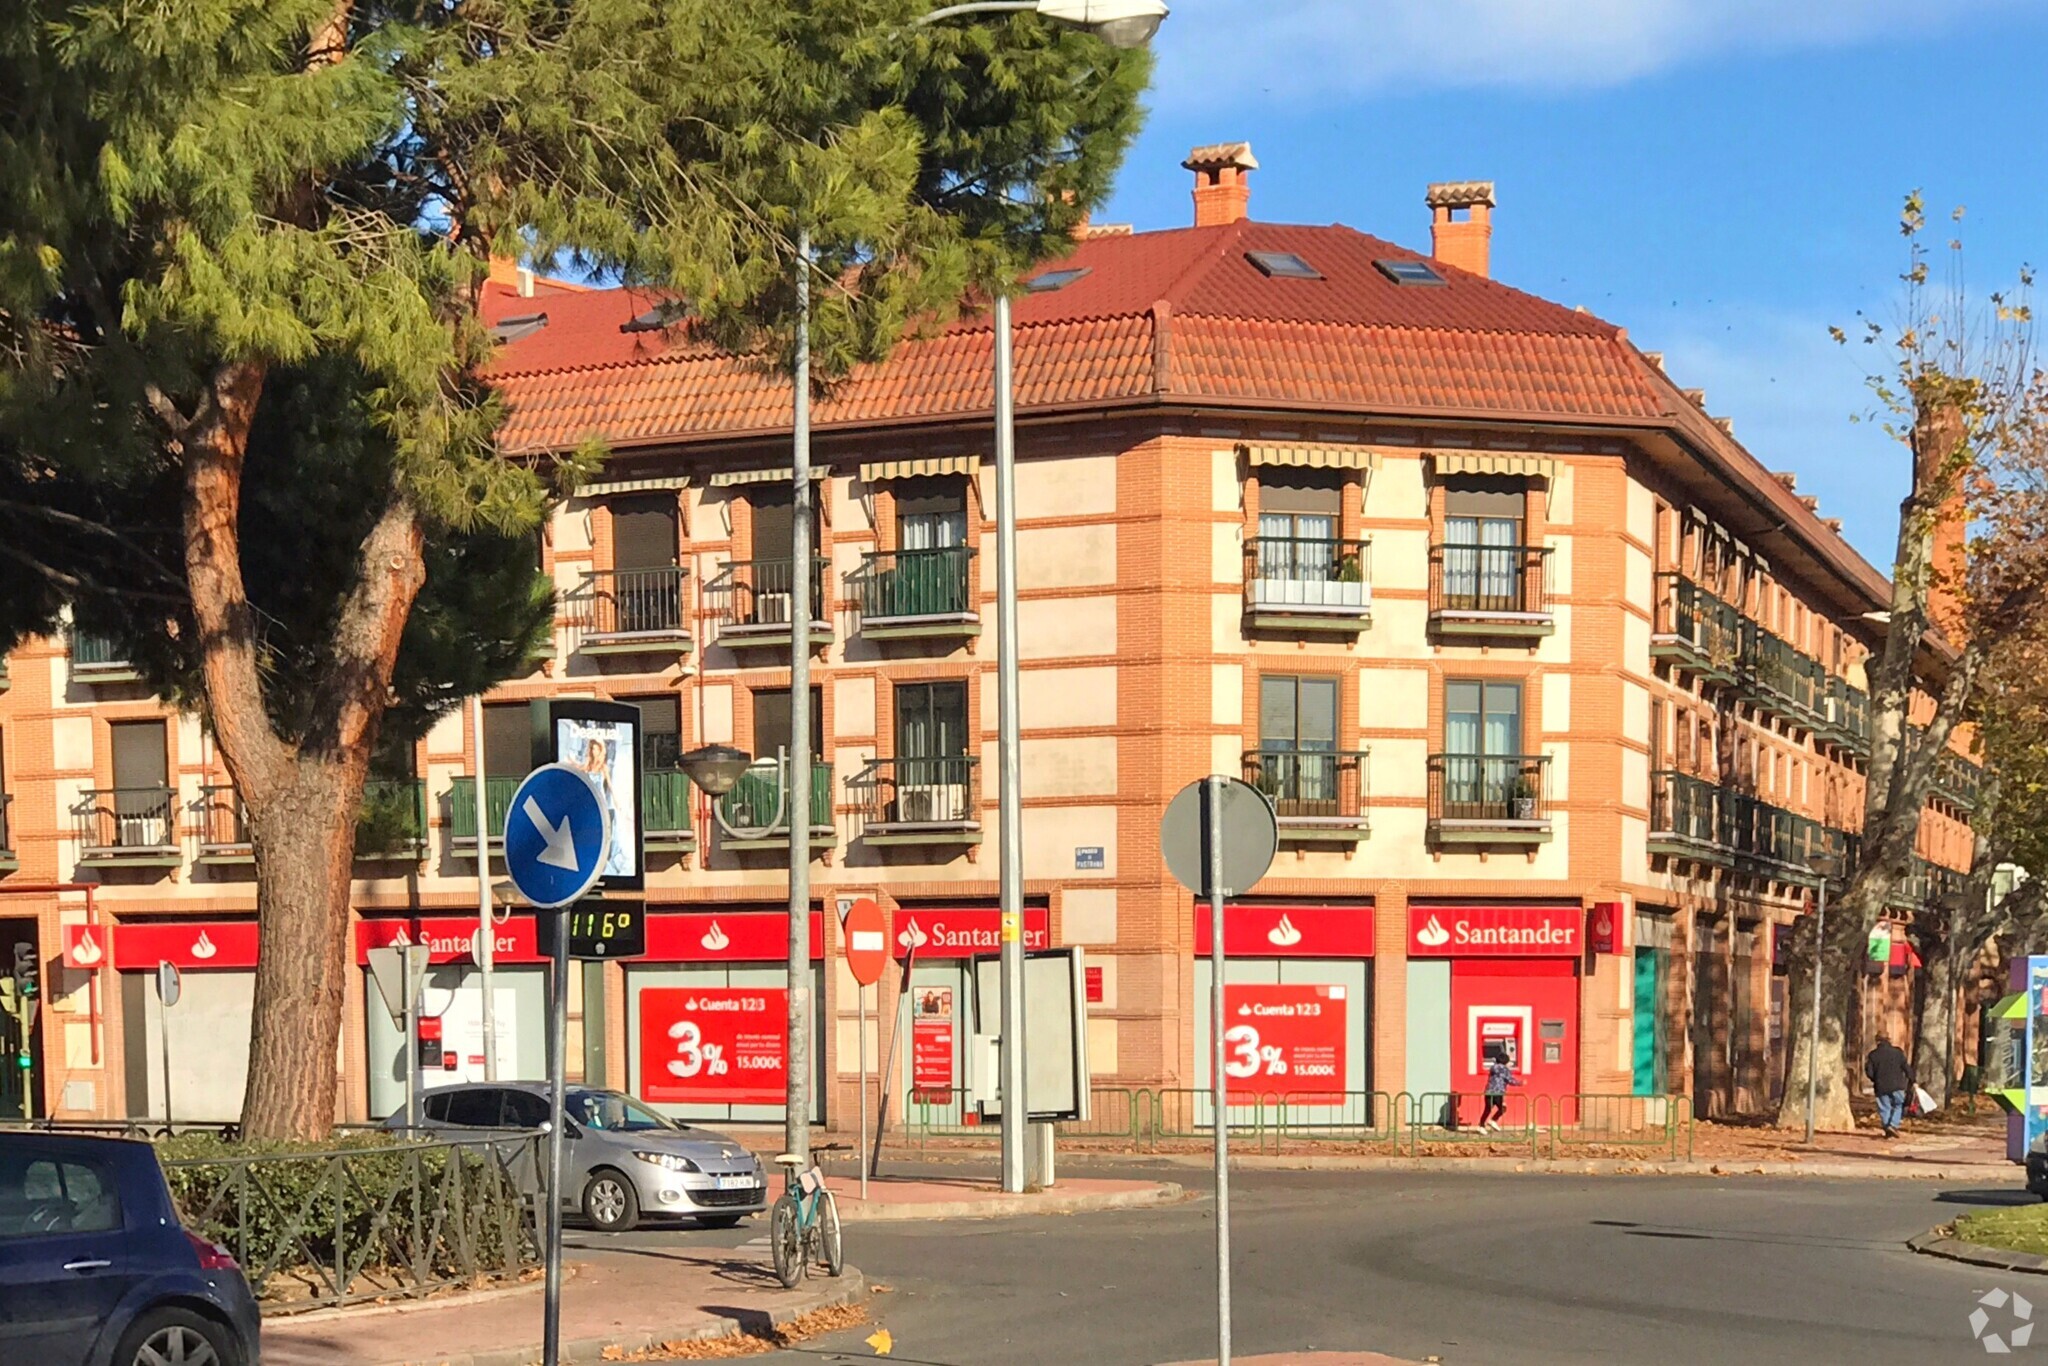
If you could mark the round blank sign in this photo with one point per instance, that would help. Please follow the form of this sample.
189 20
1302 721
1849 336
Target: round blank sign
1251 837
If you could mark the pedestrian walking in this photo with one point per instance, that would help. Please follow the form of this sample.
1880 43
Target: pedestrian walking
1500 1075
1890 1077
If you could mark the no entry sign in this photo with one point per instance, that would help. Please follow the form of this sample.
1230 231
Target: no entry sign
867 941
714 1045
1285 1041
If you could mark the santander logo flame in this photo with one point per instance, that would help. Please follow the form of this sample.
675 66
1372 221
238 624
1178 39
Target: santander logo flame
87 952
1433 935
203 948
715 940
913 936
1283 935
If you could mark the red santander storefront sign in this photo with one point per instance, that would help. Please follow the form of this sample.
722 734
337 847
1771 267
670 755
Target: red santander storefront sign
965 933
1288 931
714 1045
138 946
450 939
1496 931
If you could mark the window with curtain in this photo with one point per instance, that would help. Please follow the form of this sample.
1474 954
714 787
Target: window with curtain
1298 739
929 576
931 751
645 593
1483 762
1300 511
1482 555
933 516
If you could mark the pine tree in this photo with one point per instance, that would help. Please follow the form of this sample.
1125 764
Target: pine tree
209 208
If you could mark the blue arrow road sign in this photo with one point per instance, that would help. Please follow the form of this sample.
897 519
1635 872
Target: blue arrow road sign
558 835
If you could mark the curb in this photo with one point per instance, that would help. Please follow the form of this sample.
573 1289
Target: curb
1163 1193
851 1288
1938 1244
1618 1166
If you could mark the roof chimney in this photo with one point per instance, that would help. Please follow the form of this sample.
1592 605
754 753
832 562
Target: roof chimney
1222 194
1461 224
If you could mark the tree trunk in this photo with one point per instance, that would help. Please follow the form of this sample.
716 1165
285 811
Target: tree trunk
302 792
1839 976
1936 1029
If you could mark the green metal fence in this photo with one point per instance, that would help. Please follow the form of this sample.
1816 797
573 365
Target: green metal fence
1445 1117
1622 1121
1338 1116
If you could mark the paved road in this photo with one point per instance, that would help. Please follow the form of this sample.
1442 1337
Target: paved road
1467 1268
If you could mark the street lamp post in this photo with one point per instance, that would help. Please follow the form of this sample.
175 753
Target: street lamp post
1826 867
1123 24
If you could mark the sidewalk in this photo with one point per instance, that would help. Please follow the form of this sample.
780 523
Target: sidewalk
978 1198
623 1304
1310 1359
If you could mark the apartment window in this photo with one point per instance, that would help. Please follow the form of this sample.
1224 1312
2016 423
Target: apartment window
772 732
1298 737
661 733
644 534
933 518
775 524
1482 739
142 780
1482 543
1300 512
932 762
508 739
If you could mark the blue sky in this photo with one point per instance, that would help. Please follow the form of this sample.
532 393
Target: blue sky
1721 177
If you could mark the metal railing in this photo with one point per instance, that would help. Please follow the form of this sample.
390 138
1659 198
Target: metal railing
1489 581
1491 789
389 1221
1698 626
1698 812
755 595
1957 780
126 820
223 821
909 793
1311 786
755 807
1778 667
903 585
665 802
93 652
498 805
1307 574
1848 712
1685 808
631 602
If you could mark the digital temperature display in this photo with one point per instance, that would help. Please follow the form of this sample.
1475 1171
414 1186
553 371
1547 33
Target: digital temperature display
601 929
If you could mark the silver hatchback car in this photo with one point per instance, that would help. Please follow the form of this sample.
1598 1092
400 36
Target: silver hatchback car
624 1160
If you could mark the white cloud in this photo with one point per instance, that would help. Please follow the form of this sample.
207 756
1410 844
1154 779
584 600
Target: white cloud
1793 393
1213 52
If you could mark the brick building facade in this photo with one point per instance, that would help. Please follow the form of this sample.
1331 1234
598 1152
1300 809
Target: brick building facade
1556 690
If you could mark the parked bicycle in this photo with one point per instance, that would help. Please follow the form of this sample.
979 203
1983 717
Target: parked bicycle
804 1224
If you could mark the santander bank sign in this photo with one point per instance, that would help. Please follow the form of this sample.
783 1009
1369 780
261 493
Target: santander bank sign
1496 931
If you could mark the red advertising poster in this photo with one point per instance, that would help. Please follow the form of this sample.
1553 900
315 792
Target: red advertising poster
931 1044
1286 1042
714 1045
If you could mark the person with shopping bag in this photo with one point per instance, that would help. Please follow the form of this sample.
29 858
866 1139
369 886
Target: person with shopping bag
1891 1076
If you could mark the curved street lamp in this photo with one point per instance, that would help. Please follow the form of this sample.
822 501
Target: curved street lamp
1120 23
715 768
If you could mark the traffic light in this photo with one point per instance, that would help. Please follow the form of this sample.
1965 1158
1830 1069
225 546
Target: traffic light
28 969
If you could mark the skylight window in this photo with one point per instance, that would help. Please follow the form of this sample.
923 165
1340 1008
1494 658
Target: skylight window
1283 265
1408 272
1055 279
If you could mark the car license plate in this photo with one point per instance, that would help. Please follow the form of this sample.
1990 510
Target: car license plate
735 1183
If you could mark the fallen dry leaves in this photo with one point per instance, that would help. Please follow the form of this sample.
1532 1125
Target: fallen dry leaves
814 1324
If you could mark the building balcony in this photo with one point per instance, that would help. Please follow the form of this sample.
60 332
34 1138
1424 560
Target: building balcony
1929 886
1786 681
127 827
391 827
9 860
1301 583
1957 780
462 812
919 801
1686 818
916 594
100 659
223 826
1319 796
665 812
631 611
1695 630
1489 799
755 814
1697 818
1490 590
752 602
1847 716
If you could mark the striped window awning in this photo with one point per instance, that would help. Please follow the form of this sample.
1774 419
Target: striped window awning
1515 464
726 479
1313 457
923 467
611 487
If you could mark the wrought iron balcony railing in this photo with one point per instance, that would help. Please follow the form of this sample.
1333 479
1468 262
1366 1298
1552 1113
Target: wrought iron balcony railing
126 822
624 609
497 806
912 591
1696 628
1490 797
752 601
756 808
1315 579
95 657
1848 714
918 799
1778 668
1490 589
1312 791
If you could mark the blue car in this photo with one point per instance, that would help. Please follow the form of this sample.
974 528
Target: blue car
96 1270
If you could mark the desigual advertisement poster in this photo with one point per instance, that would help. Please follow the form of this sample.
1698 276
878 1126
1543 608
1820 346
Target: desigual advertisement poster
931 1044
714 1045
1286 1042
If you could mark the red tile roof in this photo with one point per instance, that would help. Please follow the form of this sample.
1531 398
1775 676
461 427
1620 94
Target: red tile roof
1181 314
